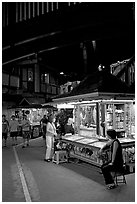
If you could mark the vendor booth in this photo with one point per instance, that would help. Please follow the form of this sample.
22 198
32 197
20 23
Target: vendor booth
34 112
101 102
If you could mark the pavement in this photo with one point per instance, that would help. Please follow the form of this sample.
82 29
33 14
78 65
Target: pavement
26 177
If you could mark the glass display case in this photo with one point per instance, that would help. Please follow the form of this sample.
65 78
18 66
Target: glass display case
95 118
87 120
92 120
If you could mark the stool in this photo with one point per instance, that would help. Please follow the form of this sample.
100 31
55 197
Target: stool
60 156
117 174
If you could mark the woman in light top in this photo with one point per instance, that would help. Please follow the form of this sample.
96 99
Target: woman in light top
50 134
26 129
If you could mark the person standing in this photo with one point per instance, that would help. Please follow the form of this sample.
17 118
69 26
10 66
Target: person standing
13 129
116 161
5 129
69 126
20 126
26 128
50 134
43 123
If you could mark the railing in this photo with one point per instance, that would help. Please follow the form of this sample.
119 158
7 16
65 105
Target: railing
14 12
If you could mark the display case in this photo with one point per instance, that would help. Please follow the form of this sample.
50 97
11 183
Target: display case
87 148
92 120
95 118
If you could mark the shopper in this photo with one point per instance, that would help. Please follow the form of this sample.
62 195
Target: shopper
116 160
69 126
50 134
13 129
5 129
43 124
26 130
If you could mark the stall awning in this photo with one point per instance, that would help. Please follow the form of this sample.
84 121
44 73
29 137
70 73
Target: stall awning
27 103
98 85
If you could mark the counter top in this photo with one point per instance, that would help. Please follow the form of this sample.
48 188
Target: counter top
88 140
98 144
93 141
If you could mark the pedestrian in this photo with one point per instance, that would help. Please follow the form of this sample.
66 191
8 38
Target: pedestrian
5 129
50 134
26 130
13 129
115 162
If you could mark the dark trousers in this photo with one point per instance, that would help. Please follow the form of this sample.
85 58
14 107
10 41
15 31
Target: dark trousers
106 170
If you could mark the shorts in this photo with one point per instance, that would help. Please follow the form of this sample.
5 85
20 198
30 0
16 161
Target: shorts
4 136
13 134
26 134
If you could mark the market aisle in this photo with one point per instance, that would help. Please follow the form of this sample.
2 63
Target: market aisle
48 182
11 185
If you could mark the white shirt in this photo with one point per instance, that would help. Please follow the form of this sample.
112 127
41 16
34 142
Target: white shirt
51 129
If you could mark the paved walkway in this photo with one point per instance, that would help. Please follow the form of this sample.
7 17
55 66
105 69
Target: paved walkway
68 182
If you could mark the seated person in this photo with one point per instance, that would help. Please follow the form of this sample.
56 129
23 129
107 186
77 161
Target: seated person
69 126
116 160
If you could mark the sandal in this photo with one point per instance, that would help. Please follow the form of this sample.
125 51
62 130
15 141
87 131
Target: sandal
111 186
47 160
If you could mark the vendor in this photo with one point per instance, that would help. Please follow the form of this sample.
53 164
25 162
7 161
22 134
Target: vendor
69 126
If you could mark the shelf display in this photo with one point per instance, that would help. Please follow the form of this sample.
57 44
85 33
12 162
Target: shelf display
95 118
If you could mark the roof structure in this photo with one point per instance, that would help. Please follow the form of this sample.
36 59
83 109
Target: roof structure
99 84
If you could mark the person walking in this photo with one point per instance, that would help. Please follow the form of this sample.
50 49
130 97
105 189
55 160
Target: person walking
13 129
50 134
5 129
116 161
26 128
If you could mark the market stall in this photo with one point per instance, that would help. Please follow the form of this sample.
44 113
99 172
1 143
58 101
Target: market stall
105 107
34 112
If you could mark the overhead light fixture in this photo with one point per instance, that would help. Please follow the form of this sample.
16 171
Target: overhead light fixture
61 73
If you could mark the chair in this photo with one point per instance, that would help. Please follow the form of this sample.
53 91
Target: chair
119 176
60 156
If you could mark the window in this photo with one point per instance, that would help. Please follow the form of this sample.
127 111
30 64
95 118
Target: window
14 81
28 79
5 79
45 78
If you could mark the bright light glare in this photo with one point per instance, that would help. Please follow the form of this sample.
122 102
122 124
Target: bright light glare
61 73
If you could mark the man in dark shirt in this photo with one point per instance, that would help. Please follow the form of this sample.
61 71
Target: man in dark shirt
43 123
